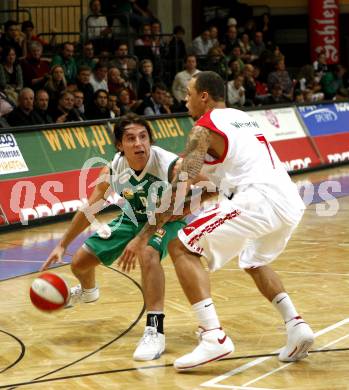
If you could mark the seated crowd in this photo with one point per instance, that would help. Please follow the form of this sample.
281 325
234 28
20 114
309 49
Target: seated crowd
106 77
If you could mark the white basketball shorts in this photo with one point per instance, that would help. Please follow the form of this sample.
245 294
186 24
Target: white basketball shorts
246 226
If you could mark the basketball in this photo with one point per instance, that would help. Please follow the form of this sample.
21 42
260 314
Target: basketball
49 292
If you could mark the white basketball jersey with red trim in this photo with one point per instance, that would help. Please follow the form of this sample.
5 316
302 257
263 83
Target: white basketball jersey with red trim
249 159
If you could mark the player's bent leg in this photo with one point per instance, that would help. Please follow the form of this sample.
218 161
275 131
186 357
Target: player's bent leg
300 337
83 267
152 344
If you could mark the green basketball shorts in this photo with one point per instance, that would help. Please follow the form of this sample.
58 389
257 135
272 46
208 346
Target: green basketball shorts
123 231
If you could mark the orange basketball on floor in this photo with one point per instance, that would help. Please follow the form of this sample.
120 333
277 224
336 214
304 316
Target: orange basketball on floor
49 292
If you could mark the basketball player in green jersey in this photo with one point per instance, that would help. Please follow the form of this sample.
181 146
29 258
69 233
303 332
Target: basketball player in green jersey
137 173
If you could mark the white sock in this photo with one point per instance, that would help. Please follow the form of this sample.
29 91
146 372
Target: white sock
91 293
283 304
206 314
89 290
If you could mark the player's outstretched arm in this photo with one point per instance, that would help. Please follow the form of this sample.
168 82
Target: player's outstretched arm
80 221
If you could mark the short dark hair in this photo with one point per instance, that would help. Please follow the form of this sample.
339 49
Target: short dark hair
159 85
27 24
130 119
212 83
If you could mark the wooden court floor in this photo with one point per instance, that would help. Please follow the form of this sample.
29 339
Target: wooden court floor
91 346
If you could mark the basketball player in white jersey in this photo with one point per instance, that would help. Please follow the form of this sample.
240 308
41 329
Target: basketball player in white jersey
259 209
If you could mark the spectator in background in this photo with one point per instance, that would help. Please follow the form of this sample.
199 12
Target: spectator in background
55 85
257 45
214 35
265 26
306 81
65 111
230 39
216 62
98 78
35 69
245 46
115 81
281 77
24 114
237 55
168 103
99 109
202 44
145 39
250 28
153 105
176 50
113 105
67 61
233 69
87 57
126 63
261 87
320 66
124 102
30 36
83 84
41 106
146 80
98 31
6 105
180 83
333 83
236 91
276 97
249 84
11 76
13 38
79 103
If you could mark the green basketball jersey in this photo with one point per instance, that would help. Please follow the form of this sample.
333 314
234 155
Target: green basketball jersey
141 192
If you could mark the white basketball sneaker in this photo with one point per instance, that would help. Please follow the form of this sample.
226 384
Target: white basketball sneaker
213 345
78 295
300 338
151 345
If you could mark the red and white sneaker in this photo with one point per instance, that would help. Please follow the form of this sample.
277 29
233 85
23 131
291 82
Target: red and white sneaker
300 338
214 344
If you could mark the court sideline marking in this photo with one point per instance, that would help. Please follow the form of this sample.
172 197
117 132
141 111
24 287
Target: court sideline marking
214 382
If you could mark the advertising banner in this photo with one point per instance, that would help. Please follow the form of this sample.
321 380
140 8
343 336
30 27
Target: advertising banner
279 124
40 171
334 148
11 159
324 29
325 119
297 154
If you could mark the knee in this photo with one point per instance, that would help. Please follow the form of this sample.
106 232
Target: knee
80 262
176 249
149 259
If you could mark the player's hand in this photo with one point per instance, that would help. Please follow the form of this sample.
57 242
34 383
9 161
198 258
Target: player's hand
55 257
127 260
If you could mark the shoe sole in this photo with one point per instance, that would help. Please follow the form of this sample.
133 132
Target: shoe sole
300 352
200 364
69 306
157 356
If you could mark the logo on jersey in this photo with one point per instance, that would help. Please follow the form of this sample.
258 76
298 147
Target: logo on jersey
160 233
128 193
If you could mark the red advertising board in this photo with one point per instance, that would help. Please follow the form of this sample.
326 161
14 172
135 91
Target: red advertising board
334 147
22 200
297 154
324 29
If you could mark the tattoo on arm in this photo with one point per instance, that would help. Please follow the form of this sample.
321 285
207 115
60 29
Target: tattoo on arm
193 160
195 151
